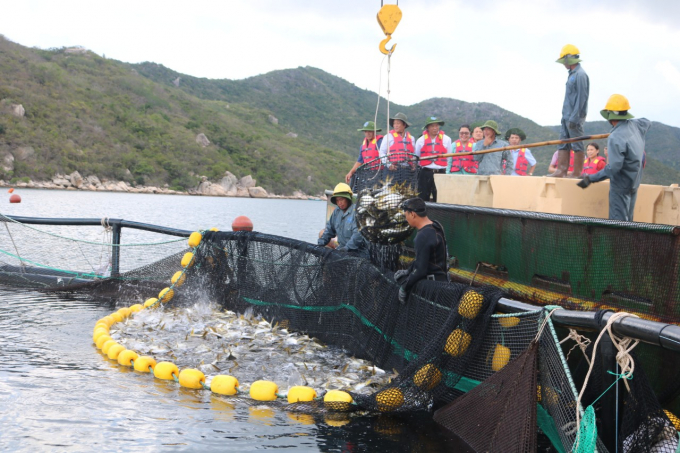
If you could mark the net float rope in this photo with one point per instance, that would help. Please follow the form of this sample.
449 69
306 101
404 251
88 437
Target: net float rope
388 399
262 390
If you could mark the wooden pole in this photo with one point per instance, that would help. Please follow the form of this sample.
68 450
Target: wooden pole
528 145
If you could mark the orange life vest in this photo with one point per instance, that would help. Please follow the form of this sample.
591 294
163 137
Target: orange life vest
590 166
432 148
521 163
466 163
400 145
370 151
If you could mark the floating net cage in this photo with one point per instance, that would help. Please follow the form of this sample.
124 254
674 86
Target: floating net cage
446 340
381 186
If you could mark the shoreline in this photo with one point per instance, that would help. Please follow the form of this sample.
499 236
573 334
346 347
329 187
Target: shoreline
123 187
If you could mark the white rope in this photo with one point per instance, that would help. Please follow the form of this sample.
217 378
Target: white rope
624 345
581 342
545 322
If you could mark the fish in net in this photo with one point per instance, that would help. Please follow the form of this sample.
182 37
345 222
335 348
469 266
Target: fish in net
381 189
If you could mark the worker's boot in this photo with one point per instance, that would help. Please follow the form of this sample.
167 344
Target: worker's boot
578 164
562 164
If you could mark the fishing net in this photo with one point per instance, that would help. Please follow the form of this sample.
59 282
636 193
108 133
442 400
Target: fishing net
579 263
381 187
500 413
632 421
441 344
64 257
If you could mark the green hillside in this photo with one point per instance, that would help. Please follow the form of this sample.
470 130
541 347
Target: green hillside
101 117
138 123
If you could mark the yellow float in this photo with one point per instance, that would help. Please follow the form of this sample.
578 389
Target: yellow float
191 378
457 343
143 363
126 357
300 393
114 350
224 385
166 370
470 304
501 357
389 399
264 390
195 239
427 377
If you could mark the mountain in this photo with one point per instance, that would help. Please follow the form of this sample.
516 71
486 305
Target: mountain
292 129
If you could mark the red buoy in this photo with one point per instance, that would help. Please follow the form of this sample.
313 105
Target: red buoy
15 199
242 223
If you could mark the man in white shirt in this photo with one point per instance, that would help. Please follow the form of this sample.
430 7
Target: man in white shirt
433 143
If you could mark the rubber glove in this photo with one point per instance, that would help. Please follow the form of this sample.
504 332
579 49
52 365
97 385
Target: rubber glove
585 182
402 296
400 274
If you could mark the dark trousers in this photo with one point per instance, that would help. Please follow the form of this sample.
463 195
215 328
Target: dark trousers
427 190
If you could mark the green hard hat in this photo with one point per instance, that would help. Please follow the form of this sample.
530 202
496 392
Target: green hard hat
515 131
369 126
491 124
433 120
400 116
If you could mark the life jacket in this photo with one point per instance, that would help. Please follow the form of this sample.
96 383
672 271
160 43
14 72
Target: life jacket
590 166
571 161
370 151
432 148
400 145
522 164
466 163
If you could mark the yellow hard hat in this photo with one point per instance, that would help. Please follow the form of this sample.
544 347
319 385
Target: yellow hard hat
569 55
342 190
569 49
617 108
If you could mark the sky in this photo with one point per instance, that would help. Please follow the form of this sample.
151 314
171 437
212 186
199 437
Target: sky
484 51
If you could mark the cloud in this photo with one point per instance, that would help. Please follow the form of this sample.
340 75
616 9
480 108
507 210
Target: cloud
669 72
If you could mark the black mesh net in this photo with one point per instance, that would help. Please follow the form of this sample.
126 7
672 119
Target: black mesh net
628 421
381 186
499 415
441 344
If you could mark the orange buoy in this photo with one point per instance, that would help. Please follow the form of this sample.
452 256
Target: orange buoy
11 190
17 199
242 223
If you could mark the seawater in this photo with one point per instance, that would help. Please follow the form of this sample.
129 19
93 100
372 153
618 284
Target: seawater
58 393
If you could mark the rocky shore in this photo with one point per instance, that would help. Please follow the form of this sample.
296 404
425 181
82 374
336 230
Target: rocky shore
228 186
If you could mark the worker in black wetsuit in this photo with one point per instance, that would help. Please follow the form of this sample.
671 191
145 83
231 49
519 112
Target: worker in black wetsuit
430 246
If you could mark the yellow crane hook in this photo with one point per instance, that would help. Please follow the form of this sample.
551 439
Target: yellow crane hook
389 17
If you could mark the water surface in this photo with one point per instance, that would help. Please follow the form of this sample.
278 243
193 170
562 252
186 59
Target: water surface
58 393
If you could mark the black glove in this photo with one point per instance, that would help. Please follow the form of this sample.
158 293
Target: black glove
320 242
400 274
585 182
573 125
402 296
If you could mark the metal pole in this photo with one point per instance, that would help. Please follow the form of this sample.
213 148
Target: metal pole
115 249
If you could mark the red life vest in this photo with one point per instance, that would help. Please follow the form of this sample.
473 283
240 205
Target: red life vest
370 151
432 148
521 163
400 145
466 163
590 167
571 161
